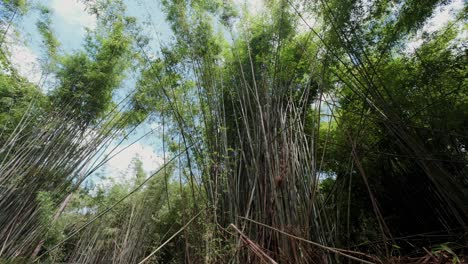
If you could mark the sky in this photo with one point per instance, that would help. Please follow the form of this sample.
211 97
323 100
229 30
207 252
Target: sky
69 23
442 16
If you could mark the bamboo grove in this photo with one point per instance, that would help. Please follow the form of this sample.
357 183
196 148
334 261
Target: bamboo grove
328 131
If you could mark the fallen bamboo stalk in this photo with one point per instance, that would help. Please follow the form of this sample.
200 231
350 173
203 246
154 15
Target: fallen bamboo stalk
333 250
255 248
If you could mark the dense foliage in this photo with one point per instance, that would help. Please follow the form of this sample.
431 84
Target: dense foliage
304 132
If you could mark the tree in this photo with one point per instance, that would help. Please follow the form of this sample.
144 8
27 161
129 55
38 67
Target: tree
398 117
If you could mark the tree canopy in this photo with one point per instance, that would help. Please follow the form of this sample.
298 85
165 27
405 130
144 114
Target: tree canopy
295 132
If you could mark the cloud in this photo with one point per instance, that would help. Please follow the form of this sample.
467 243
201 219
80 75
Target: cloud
120 168
413 45
23 58
74 13
253 6
156 126
441 17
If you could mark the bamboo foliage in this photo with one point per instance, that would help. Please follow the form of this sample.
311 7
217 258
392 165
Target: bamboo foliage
53 158
295 140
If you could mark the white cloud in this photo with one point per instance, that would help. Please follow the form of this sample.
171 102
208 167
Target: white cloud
441 17
413 45
120 168
156 126
307 21
23 59
252 6
73 12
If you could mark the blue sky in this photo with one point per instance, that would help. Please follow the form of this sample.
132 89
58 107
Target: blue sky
69 20
69 23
